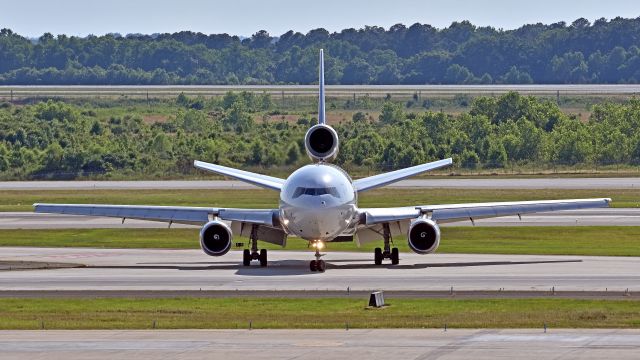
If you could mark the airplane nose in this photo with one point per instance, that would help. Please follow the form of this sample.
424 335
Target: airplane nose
321 222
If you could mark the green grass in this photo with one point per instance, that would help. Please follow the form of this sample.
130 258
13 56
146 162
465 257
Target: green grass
16 200
198 313
591 240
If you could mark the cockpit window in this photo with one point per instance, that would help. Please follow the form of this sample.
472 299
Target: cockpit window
316 191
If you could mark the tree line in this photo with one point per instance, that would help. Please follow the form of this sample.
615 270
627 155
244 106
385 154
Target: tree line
605 51
54 139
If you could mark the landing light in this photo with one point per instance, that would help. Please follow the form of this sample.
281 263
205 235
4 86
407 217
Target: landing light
318 245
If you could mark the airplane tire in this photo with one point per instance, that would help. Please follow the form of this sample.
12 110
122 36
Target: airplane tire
395 256
321 266
246 257
263 257
313 266
377 256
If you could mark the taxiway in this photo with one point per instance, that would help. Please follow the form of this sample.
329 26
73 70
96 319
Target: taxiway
147 269
322 344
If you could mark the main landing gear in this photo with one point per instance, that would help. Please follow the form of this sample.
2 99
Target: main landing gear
318 264
388 253
253 254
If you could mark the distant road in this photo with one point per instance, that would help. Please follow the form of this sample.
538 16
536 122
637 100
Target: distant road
332 90
482 183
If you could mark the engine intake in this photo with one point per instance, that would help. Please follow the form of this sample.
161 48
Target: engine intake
424 236
215 238
321 142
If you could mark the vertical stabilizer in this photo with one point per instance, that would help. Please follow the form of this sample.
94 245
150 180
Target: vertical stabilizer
321 118
321 140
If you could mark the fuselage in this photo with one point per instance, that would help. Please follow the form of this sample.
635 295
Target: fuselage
318 202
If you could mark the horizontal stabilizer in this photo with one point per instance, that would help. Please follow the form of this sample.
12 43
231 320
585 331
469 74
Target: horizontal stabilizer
264 181
380 180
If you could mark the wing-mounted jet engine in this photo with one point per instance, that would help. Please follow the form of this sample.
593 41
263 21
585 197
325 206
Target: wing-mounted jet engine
215 238
423 236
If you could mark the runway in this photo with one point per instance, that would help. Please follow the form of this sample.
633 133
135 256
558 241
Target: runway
467 183
322 344
134 269
586 217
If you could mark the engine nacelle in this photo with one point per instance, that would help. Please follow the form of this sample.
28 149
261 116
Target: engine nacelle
215 238
321 142
423 236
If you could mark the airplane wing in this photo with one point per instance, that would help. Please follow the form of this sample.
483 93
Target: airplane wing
265 181
379 180
457 212
170 214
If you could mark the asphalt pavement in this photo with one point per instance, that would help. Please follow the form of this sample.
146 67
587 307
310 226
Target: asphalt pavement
192 270
384 344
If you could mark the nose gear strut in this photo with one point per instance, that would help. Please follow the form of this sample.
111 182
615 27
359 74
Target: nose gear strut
318 264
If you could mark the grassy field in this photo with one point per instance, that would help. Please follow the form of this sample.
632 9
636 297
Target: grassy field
620 241
198 313
14 200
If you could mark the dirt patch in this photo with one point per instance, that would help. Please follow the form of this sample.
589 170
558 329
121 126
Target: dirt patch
151 119
35 265
292 119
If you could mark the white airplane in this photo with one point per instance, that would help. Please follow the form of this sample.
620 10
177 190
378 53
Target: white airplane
319 203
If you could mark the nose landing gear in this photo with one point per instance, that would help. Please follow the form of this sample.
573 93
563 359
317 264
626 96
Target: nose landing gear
318 264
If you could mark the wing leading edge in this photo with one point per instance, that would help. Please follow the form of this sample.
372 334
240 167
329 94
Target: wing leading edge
457 212
170 214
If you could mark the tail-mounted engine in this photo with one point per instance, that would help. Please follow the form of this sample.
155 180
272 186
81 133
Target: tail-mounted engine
215 238
424 236
321 142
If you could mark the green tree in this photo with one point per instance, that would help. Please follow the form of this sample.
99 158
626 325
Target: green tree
469 159
391 113
496 155
162 146
237 119
293 154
